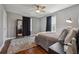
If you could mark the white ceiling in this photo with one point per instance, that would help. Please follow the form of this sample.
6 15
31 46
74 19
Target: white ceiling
28 9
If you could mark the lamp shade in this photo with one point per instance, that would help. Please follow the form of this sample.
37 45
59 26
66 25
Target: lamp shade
69 20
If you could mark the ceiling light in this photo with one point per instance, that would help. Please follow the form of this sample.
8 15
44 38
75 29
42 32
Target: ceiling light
37 11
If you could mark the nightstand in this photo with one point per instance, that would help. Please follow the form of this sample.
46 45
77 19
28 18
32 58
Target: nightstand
56 48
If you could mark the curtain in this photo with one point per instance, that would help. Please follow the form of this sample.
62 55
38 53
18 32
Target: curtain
48 23
26 26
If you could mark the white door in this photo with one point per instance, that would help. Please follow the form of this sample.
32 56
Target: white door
53 24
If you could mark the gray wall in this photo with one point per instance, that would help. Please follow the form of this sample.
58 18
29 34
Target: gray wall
64 14
35 25
12 17
2 25
43 24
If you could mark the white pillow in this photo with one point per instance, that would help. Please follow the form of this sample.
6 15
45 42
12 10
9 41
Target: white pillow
70 48
70 35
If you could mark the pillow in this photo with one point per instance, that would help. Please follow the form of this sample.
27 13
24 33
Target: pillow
70 48
72 33
62 36
74 46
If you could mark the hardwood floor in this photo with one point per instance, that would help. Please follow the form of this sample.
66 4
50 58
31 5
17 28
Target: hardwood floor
34 50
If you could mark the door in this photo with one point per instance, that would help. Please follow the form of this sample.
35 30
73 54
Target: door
26 26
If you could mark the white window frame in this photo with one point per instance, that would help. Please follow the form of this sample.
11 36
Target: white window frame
31 25
53 24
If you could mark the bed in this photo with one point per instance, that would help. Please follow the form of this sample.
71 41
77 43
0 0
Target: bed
46 39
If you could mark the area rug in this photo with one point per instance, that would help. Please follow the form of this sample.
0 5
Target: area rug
21 44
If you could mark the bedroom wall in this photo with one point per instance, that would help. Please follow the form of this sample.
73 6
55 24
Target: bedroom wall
35 25
43 24
3 23
12 17
64 14
1 26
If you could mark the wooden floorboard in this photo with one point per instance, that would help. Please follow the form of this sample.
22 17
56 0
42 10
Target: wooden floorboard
34 50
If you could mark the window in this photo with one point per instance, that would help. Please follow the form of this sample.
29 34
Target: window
31 25
53 24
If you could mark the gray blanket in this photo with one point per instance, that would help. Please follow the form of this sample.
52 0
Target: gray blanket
46 39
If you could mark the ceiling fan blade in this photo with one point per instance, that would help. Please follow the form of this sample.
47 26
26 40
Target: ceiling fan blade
42 10
43 7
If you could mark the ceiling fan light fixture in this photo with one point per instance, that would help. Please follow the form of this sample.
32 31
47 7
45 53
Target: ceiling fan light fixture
37 11
39 8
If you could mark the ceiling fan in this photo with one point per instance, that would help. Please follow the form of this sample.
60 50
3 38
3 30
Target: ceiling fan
39 8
